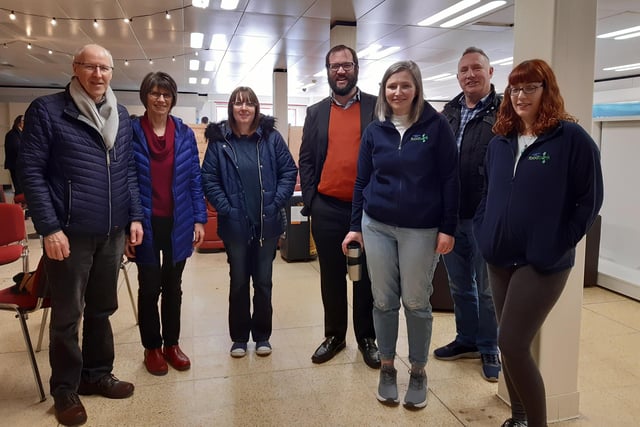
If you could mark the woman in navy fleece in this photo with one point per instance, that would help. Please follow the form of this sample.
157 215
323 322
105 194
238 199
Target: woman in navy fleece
405 207
544 189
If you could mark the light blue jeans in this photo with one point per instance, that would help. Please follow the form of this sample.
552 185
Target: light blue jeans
476 323
401 262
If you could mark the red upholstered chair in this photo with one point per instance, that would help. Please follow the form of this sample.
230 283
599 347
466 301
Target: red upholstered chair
212 242
13 246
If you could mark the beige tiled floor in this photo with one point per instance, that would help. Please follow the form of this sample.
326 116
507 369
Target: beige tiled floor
286 389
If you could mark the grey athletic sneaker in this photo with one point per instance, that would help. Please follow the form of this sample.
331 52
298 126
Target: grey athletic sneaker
388 387
416 397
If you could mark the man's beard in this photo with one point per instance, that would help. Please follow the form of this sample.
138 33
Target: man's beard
352 80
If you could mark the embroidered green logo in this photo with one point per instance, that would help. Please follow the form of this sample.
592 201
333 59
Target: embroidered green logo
541 157
420 138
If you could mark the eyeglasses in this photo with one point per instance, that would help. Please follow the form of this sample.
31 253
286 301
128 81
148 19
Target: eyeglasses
157 95
528 89
245 103
347 66
104 69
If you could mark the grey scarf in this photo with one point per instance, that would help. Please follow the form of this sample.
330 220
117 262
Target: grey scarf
105 120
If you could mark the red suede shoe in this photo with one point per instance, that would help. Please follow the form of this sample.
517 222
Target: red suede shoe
176 358
155 363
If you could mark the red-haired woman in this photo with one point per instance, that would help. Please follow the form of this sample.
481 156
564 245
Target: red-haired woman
544 189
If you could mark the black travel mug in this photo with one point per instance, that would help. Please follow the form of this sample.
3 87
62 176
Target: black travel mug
354 261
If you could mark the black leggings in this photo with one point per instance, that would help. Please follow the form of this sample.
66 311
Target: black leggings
523 298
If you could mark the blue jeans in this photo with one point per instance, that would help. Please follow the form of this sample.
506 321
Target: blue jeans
401 262
247 262
473 303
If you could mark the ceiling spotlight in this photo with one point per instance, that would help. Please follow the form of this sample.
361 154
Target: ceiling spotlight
228 4
173 58
196 53
150 61
126 62
54 22
126 20
95 23
200 3
167 15
12 16
50 52
29 46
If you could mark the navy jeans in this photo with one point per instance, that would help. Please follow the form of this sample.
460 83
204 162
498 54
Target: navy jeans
250 261
476 323
83 287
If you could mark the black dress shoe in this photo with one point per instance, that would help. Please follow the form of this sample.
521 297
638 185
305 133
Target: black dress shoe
369 350
329 348
107 386
69 410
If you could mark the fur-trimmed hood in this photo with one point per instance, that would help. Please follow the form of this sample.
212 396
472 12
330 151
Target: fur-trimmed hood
221 131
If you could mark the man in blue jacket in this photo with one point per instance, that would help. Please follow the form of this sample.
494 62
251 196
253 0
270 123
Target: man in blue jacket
471 115
79 178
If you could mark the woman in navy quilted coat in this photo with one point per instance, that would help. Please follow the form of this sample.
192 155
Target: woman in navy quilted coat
172 200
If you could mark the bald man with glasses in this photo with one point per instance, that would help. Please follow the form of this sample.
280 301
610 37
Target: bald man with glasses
79 178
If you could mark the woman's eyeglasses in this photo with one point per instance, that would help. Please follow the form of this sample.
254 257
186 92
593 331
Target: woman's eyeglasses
528 89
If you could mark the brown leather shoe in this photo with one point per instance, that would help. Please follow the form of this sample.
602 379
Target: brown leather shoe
155 363
107 386
69 410
176 358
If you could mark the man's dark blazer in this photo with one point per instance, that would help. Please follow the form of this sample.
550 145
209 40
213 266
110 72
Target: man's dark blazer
315 139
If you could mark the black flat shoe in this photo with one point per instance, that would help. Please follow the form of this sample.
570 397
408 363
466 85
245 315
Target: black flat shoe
329 348
369 350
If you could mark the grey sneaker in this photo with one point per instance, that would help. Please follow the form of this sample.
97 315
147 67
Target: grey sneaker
416 397
388 387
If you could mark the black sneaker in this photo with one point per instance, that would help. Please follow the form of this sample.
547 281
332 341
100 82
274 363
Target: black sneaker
454 350
491 367
69 410
514 423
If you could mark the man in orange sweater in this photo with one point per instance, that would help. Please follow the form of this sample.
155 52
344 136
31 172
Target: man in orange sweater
327 162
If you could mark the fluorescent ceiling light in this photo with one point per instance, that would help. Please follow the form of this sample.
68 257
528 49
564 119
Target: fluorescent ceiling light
228 4
448 12
473 13
441 79
200 3
193 80
619 32
196 40
204 81
194 64
504 61
209 66
628 36
369 50
384 52
623 67
218 42
437 76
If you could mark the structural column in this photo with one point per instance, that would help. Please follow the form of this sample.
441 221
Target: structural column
343 32
561 32
281 102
